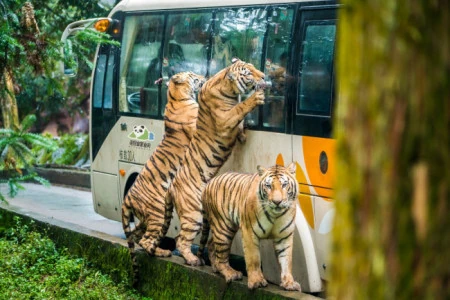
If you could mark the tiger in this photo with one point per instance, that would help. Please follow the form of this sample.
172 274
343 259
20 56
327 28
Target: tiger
145 199
262 206
218 126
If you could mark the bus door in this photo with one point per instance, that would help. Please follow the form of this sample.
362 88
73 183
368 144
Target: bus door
103 118
313 147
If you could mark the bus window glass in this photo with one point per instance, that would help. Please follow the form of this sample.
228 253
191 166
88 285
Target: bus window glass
186 42
315 86
99 78
140 64
239 33
278 39
107 102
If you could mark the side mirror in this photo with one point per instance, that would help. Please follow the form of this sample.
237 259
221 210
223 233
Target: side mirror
69 66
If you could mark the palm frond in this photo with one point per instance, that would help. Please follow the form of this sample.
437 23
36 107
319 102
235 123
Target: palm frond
27 122
22 154
40 140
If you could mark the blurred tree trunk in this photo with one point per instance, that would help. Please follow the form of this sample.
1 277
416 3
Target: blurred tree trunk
392 225
8 103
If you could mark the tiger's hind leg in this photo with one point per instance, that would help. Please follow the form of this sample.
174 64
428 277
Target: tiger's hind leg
204 239
221 244
151 239
190 227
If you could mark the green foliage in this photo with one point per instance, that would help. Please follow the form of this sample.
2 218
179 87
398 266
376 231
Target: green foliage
16 155
15 151
73 149
33 56
32 268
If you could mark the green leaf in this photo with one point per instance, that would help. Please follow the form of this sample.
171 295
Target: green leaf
27 122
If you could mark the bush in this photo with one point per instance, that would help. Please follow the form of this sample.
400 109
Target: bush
72 150
32 268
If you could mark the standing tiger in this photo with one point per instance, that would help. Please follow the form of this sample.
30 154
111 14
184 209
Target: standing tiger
145 199
220 114
262 206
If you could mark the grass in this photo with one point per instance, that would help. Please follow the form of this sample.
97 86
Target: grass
32 268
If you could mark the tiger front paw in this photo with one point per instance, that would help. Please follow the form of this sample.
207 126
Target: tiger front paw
231 275
242 137
259 97
256 280
291 285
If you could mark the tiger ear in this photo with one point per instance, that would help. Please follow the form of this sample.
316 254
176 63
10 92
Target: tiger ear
234 59
177 78
261 170
291 168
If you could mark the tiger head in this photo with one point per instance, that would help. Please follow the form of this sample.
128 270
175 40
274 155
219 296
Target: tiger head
278 188
186 83
244 77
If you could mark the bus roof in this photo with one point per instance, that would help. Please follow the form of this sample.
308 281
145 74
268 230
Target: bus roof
142 5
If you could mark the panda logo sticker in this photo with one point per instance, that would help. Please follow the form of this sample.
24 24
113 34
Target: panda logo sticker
140 132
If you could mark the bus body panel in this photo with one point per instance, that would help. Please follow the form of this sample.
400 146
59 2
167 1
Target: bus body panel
315 173
131 140
106 196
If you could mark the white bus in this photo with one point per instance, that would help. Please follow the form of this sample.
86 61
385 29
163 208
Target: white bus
293 42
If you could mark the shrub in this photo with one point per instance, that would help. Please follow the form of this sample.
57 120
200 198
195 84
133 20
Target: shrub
32 268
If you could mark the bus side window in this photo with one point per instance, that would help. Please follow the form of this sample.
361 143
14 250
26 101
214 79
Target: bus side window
108 94
239 33
186 42
275 67
316 77
140 66
99 81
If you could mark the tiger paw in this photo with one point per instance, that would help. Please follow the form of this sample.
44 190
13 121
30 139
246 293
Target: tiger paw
192 260
162 252
291 285
148 246
242 137
256 280
259 97
231 275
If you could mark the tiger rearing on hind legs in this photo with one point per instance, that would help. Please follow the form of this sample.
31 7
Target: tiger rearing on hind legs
145 199
218 128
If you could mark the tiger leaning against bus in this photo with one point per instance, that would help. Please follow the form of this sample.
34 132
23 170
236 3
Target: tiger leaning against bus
145 199
219 117
262 205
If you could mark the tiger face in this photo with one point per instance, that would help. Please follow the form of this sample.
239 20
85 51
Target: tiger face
189 80
278 188
245 77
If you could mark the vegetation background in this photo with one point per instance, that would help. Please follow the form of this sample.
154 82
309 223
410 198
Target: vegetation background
35 96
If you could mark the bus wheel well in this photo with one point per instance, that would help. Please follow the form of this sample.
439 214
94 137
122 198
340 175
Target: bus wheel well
130 181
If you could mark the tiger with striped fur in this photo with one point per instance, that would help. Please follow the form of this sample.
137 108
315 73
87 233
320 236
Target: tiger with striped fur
262 206
145 199
218 128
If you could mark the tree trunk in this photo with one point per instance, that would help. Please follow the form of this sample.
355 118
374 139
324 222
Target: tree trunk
8 102
392 224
